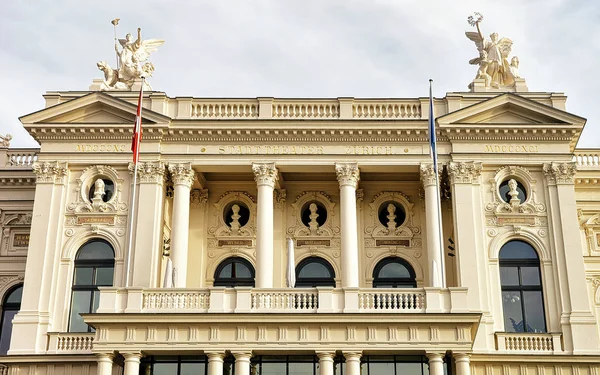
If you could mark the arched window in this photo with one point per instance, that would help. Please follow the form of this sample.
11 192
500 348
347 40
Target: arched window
314 271
394 272
10 308
94 267
234 271
520 278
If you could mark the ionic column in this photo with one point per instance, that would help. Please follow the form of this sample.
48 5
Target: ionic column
105 363
265 175
436 364
463 363
242 362
434 251
183 176
326 363
353 363
215 363
132 363
348 176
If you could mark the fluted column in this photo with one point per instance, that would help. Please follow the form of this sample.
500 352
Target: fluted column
105 363
242 362
436 364
353 363
183 176
434 251
215 363
325 363
132 363
463 363
348 176
265 175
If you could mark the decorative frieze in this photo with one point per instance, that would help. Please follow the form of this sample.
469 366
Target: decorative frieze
265 174
150 172
50 172
347 174
464 172
182 174
560 173
280 198
199 197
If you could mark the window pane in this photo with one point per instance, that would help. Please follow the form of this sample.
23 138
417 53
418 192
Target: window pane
192 369
314 270
104 276
381 368
509 275
83 276
394 270
513 315
15 295
242 271
530 276
271 368
165 369
226 272
534 312
80 304
339 368
409 368
517 250
301 369
6 330
96 250
96 300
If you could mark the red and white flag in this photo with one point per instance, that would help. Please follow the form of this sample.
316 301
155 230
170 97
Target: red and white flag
137 129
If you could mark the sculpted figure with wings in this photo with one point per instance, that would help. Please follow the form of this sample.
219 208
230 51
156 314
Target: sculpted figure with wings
132 56
493 56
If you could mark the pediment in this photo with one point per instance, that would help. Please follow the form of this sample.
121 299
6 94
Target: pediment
94 108
510 109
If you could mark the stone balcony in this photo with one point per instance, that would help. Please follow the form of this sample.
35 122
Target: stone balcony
308 300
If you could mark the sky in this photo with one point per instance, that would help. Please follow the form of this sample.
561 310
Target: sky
297 48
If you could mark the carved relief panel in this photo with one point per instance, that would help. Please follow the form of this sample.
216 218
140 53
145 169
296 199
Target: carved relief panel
590 223
15 227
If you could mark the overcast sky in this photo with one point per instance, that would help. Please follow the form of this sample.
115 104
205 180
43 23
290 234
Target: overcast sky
299 48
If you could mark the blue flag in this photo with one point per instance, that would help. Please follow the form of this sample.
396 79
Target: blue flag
432 141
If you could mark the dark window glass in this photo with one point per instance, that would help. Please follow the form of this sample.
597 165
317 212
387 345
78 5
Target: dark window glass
314 271
394 272
396 365
178 365
393 211
94 267
10 308
504 189
522 301
234 271
285 365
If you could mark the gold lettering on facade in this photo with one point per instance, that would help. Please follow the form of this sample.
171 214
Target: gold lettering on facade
313 243
21 240
392 243
95 220
101 148
234 243
512 148
304 150
516 220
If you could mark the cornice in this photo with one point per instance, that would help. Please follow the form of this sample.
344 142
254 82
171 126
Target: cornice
487 132
92 132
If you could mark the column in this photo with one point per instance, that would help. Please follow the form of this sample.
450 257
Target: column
215 363
147 240
434 251
105 363
265 175
132 363
30 325
577 317
183 176
463 363
353 363
436 364
348 176
242 362
325 363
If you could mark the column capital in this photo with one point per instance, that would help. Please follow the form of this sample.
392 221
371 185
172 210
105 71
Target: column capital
461 357
427 174
151 172
265 174
560 173
325 355
242 355
347 174
182 174
50 172
135 356
352 355
435 357
105 357
464 172
215 356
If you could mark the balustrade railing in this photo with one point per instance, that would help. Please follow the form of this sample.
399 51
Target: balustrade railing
529 342
225 109
24 157
286 300
306 109
410 109
170 299
587 158
392 300
74 343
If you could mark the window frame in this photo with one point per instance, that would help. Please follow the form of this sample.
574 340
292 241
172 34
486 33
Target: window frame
233 281
9 306
377 281
313 282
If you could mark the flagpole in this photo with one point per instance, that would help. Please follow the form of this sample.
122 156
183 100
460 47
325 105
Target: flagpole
437 187
134 189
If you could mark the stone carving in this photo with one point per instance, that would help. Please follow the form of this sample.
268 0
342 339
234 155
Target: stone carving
514 194
131 57
402 233
182 174
428 174
235 219
529 207
98 190
220 229
464 172
94 176
314 231
5 140
560 173
199 197
50 172
494 68
280 197
265 174
149 172
313 225
391 224
347 174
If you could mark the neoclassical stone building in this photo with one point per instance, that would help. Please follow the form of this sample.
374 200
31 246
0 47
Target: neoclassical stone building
225 184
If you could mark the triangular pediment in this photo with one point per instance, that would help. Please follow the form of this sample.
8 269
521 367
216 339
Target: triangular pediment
94 108
510 109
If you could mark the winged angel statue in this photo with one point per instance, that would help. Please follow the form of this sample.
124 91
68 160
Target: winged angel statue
493 57
132 56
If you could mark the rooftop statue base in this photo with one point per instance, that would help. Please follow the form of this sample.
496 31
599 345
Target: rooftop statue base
479 85
100 85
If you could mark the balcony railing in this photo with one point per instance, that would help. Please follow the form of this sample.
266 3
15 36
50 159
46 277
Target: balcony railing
587 158
20 157
70 343
529 343
298 300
